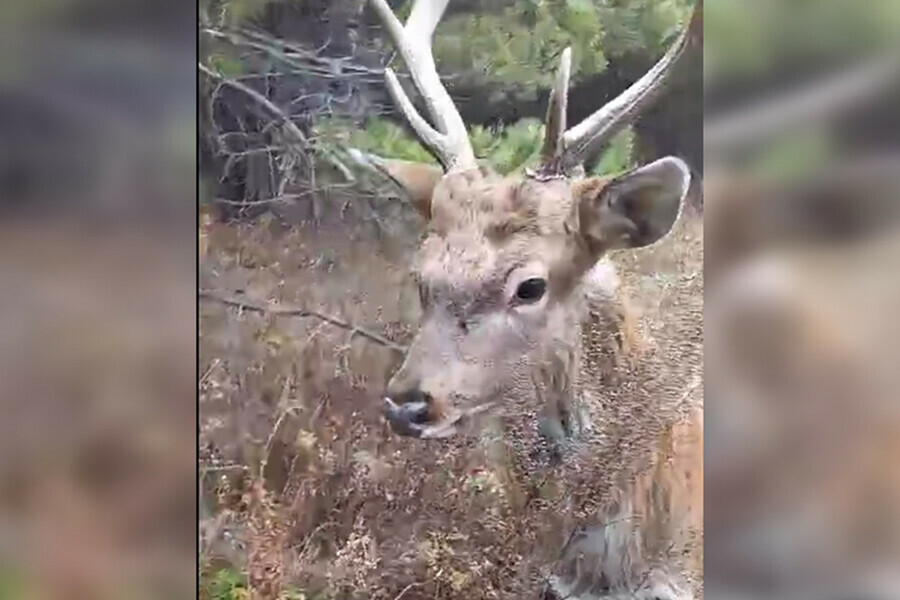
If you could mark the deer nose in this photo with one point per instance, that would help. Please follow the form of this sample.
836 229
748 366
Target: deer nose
407 410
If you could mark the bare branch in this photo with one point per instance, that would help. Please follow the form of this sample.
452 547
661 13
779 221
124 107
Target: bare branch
406 589
282 118
302 59
301 312
449 141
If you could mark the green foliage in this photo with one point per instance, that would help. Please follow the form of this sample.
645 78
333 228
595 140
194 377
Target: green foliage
797 156
230 584
507 149
225 65
520 42
231 12
225 584
618 156
237 11
379 136
745 38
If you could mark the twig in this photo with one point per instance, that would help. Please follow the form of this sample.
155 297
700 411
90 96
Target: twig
293 55
307 541
271 439
285 197
301 312
406 589
213 468
289 125
212 365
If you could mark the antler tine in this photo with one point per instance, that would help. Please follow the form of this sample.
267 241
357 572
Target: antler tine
449 141
556 112
583 139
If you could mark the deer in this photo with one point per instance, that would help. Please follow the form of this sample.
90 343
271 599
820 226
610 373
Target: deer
521 306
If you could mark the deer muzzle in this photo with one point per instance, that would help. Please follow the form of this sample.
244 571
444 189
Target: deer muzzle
415 418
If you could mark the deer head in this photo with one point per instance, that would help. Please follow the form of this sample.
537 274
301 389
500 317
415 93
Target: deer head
503 258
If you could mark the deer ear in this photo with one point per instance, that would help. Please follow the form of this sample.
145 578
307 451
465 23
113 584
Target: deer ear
635 209
417 180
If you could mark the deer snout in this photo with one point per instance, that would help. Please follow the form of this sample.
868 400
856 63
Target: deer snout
407 408
414 412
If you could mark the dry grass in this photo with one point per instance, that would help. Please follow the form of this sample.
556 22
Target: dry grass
302 481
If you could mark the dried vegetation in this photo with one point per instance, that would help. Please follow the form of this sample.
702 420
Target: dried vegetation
303 484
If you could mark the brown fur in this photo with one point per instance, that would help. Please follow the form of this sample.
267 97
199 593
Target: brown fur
521 318
647 455
583 363
418 180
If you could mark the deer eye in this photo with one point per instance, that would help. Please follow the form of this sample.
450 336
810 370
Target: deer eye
531 290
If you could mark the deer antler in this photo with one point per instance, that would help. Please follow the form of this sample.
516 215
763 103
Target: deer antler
564 152
449 141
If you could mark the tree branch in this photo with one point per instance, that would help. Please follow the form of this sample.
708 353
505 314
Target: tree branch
301 312
289 125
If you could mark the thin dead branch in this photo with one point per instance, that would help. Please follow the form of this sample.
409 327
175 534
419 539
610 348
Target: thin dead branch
305 61
289 125
404 590
301 312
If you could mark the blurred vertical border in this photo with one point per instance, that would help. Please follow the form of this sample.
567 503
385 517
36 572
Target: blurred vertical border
801 240
98 216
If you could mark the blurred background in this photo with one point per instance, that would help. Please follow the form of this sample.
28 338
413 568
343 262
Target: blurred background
114 142
801 198
97 300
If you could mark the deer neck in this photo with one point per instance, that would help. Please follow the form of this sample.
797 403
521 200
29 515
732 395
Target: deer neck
595 335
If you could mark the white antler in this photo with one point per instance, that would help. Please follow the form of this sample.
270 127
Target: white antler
449 141
564 152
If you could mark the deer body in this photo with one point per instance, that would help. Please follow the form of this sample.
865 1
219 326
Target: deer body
641 457
523 315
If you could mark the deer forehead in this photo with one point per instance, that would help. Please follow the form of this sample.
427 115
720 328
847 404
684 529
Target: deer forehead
458 256
499 207
467 258
489 228
468 264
